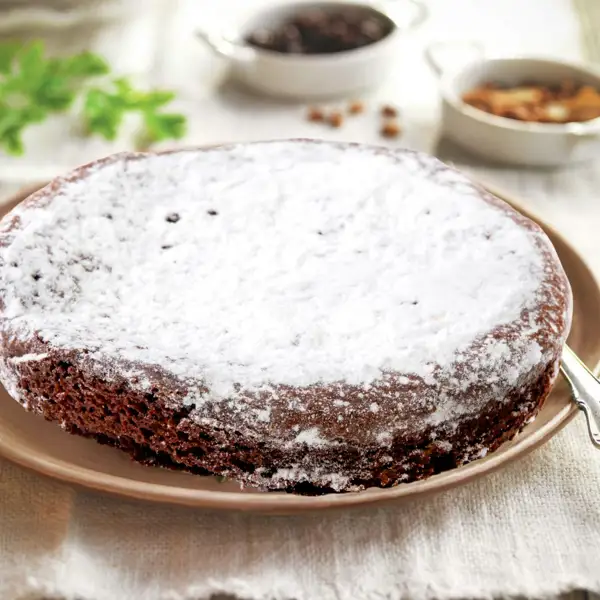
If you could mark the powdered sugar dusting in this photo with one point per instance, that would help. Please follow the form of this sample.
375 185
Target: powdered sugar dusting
340 312
311 437
298 474
281 262
29 358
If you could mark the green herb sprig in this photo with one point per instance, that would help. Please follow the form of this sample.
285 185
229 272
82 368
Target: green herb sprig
33 86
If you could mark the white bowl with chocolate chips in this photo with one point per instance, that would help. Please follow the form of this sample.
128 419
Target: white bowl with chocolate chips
314 50
526 111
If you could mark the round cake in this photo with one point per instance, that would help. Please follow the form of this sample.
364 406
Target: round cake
293 315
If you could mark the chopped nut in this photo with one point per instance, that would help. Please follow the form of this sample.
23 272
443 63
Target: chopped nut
521 113
389 111
335 119
356 107
315 114
585 105
566 102
391 129
555 112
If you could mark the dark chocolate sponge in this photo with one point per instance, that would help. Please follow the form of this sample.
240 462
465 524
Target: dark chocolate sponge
297 315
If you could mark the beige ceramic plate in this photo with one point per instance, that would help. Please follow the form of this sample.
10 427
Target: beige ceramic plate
34 443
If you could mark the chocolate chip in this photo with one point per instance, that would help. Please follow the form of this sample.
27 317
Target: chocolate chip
372 29
37 276
319 31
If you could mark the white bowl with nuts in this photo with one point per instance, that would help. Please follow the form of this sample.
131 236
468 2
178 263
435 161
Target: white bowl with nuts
521 110
313 49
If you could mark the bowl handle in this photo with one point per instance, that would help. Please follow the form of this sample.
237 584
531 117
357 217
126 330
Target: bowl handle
225 48
435 50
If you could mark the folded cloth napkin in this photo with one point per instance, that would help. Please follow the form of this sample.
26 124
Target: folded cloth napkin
530 530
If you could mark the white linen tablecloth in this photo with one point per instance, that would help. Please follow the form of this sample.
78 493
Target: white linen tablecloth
530 530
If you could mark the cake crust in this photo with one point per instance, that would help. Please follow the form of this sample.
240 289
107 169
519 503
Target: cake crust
320 429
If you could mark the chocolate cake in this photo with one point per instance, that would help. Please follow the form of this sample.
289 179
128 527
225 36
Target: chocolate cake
294 315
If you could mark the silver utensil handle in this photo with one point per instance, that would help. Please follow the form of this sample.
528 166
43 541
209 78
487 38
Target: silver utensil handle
585 389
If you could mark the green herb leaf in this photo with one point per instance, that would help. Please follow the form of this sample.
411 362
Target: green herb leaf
85 64
156 99
33 86
104 112
13 122
32 63
8 52
164 126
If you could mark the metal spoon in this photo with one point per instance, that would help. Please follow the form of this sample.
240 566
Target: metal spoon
585 389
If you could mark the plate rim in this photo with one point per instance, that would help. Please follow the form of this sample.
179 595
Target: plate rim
282 503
